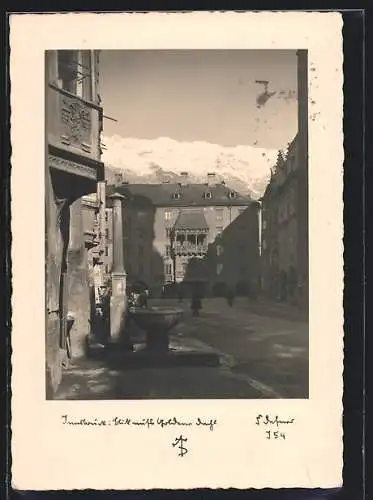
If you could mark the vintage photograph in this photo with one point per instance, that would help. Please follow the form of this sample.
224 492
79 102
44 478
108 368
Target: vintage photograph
176 224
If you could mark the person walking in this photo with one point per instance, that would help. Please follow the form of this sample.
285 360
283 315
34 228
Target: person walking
230 298
196 304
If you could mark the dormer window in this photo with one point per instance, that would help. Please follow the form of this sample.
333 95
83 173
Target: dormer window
231 195
176 196
207 195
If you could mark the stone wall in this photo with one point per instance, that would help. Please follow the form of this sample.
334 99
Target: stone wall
65 251
54 256
77 275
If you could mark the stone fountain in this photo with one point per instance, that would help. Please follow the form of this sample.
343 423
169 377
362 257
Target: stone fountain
159 350
157 323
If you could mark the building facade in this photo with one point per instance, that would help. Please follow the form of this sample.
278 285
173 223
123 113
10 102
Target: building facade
73 168
108 244
281 272
284 212
95 232
186 235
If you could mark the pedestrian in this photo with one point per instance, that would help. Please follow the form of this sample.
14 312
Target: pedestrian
230 298
142 299
196 305
103 311
131 302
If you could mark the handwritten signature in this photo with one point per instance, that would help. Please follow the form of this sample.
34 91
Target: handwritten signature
146 422
270 420
179 442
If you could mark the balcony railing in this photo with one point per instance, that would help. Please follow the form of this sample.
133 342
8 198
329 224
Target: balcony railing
190 249
73 123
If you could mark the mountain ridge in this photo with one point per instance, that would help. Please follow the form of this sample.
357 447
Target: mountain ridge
243 168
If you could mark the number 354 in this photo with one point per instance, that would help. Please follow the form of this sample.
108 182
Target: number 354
275 435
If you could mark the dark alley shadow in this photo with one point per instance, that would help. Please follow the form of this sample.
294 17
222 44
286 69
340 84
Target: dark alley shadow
231 264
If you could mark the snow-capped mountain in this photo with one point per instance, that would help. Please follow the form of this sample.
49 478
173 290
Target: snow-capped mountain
244 168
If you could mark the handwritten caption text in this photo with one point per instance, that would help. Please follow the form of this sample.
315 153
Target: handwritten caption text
146 422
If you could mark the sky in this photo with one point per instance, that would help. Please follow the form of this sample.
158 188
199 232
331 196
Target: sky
201 95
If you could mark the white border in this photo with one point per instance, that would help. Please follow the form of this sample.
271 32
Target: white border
47 455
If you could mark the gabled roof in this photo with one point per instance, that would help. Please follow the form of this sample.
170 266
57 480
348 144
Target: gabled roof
191 219
188 195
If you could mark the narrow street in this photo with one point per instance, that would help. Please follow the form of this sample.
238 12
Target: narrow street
262 356
268 350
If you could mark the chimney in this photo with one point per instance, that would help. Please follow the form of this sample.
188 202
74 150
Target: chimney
184 178
166 178
210 178
118 177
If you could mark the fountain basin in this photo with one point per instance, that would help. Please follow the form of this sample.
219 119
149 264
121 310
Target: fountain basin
157 323
159 351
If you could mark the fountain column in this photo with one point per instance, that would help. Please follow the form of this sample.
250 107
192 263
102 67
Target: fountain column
118 300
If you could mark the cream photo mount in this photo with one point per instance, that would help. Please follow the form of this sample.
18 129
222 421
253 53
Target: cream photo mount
72 443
